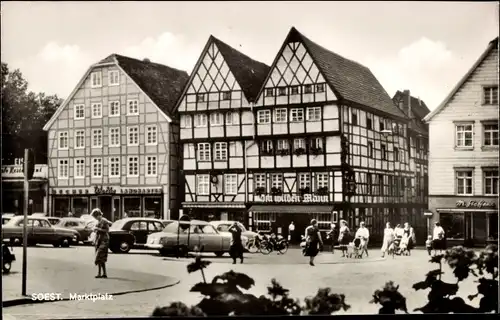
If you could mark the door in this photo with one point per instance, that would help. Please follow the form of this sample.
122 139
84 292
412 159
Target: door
116 215
479 227
106 207
43 231
140 231
154 227
210 240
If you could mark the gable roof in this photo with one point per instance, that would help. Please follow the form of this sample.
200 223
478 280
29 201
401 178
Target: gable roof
416 113
492 45
160 83
249 73
348 79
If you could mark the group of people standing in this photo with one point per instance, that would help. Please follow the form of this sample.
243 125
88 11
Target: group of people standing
404 236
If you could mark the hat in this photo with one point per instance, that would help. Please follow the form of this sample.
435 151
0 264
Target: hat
314 221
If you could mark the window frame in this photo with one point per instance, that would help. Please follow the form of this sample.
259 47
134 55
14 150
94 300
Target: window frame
222 148
280 112
493 177
94 162
282 145
146 136
96 146
314 110
282 91
491 134
304 180
110 77
200 97
293 88
279 181
76 165
490 100
77 146
198 117
77 109
186 121
299 143
324 180
298 116
260 183
231 192
369 145
92 109
308 89
264 115
65 136
114 165
129 164
201 149
383 151
457 183
269 92
150 160
111 104
129 129
225 95
111 135
464 132
131 102
204 183
216 115
60 165
93 85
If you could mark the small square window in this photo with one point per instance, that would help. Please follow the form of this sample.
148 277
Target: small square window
226 95
96 110
490 95
133 107
79 111
270 92
200 97
320 88
294 90
308 88
282 91
114 108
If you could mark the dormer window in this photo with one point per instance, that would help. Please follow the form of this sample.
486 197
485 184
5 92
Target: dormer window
308 88
320 87
226 95
294 90
270 92
282 91
200 97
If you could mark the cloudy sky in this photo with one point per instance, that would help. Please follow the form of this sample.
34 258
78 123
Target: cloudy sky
422 46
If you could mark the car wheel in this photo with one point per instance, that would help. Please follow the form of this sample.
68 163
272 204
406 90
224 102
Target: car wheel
124 247
182 251
65 242
163 252
6 267
56 245
219 254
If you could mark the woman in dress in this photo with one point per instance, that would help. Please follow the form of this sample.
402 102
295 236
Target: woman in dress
388 238
101 242
313 241
344 237
333 234
408 237
236 249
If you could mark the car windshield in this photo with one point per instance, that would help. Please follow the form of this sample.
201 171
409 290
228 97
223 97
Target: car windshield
174 227
117 225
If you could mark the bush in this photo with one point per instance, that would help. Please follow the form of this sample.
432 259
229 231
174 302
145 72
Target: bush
225 296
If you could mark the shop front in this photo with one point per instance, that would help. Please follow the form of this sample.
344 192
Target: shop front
469 221
13 190
216 211
115 202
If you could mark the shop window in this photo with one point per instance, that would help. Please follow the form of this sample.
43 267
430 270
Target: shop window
263 220
61 207
152 207
80 206
453 225
493 226
131 207
324 220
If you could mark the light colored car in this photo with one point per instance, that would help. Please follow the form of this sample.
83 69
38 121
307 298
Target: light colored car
223 227
187 236
6 217
77 224
39 231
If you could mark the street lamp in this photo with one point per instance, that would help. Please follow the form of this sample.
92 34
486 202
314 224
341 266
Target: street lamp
386 133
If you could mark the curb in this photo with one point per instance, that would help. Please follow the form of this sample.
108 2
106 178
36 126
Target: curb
26 300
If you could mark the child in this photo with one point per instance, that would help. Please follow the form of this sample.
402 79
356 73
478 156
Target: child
428 244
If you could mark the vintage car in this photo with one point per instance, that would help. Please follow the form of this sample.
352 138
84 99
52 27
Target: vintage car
54 220
167 222
182 237
6 217
40 231
132 233
223 226
83 228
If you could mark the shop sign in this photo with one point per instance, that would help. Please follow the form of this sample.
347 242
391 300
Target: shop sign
306 198
141 191
17 171
104 190
475 204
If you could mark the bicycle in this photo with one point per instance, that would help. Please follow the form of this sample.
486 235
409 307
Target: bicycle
274 243
254 245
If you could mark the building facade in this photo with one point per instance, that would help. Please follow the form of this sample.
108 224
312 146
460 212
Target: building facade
113 144
13 189
463 171
322 139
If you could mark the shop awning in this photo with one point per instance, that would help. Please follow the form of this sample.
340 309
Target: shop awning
462 210
214 205
291 209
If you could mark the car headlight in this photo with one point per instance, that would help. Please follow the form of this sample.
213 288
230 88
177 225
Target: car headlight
163 241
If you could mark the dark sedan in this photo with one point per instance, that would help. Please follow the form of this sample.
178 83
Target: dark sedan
77 224
132 233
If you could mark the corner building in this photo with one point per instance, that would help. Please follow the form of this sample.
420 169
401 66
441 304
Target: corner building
321 140
113 144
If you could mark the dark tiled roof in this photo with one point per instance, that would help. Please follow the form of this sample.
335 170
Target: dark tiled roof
417 113
162 84
349 79
249 73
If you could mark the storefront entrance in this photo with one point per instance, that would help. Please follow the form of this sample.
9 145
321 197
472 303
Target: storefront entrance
106 207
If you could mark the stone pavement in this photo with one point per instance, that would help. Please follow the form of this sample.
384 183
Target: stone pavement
66 277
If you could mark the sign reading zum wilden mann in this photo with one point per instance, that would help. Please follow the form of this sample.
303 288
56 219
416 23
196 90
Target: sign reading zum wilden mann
306 198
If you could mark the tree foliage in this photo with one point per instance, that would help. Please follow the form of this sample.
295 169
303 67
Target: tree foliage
24 114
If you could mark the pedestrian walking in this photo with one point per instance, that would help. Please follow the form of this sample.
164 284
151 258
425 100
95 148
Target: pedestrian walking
101 243
236 249
314 243
364 235
291 232
333 235
408 237
344 236
438 238
388 239
428 245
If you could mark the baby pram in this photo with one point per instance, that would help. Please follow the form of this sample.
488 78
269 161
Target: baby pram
355 248
399 247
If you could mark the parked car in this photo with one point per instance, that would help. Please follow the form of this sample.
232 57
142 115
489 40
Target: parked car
7 258
167 222
6 217
79 225
54 220
187 236
132 233
39 231
223 227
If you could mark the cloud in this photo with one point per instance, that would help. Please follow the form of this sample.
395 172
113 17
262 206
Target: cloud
53 52
425 67
169 49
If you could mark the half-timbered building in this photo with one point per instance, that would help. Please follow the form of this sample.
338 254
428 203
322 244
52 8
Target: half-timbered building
217 127
463 155
113 144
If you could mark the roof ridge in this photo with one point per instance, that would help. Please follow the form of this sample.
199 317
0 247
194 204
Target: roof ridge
224 43
147 62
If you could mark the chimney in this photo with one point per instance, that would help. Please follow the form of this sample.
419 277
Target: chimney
146 60
409 104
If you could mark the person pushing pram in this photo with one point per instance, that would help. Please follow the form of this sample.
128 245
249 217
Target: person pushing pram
361 241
